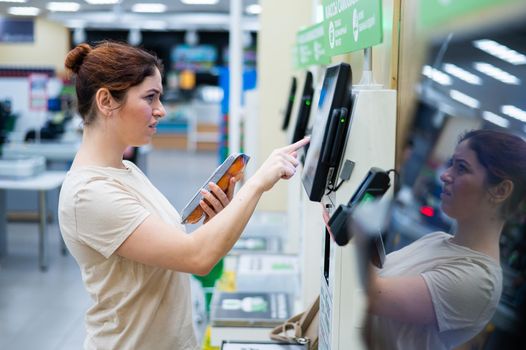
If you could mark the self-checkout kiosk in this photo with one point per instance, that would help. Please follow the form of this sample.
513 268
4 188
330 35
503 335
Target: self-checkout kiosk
352 144
303 215
289 104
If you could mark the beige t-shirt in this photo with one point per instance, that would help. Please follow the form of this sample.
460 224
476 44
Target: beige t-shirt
135 306
465 288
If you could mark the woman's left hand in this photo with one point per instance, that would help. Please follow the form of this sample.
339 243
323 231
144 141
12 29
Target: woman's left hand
216 200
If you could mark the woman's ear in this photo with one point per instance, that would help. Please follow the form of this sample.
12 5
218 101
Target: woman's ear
501 191
104 101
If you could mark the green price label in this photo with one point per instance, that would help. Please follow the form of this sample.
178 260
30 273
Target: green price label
281 266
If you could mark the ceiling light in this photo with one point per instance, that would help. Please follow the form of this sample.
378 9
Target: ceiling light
438 76
464 99
514 112
102 2
18 1
23 11
495 119
254 9
200 2
500 51
496 73
149 7
62 6
462 74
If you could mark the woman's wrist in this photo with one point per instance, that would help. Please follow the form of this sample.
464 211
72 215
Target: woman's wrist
253 184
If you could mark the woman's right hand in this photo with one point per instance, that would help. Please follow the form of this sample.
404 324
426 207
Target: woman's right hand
281 164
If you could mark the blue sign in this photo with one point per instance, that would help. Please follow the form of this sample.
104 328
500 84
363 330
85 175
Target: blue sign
17 30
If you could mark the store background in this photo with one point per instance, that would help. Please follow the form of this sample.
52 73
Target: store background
268 40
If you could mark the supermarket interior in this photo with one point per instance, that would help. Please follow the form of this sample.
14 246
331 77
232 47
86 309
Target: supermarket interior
262 174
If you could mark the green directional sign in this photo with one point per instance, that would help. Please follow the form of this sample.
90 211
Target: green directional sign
352 25
436 12
311 48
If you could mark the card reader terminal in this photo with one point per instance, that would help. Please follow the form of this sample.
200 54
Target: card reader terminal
373 186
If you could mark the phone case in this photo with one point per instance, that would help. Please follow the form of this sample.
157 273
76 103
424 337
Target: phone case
233 165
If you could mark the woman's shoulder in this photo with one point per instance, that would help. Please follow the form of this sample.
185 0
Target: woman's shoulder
433 237
91 178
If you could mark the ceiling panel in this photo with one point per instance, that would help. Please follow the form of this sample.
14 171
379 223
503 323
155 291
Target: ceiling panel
118 16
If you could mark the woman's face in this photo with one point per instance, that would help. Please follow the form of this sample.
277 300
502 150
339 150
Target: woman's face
138 116
464 192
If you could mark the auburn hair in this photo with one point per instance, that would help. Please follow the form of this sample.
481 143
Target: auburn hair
111 65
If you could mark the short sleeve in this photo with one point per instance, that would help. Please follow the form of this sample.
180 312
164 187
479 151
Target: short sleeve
461 291
106 213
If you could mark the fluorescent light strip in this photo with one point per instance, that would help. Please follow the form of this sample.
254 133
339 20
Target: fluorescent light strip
500 51
438 76
23 11
495 119
62 6
464 99
13 1
149 8
254 9
102 2
462 74
514 112
200 2
496 73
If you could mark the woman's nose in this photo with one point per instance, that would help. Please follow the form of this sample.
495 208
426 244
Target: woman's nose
159 111
446 176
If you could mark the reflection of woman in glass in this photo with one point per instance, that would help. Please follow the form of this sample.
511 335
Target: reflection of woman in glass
441 290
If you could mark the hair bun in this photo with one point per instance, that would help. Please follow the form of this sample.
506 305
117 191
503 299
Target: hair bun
75 57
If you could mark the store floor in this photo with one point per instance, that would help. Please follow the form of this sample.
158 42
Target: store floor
45 310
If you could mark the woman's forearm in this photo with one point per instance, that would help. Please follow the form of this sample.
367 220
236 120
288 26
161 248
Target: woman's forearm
219 235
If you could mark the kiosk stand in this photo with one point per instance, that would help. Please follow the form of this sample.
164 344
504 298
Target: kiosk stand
371 143
367 139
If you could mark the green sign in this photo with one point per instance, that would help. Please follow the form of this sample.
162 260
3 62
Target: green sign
311 46
294 53
352 25
435 12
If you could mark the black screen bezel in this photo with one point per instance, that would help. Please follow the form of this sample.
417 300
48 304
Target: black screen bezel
290 104
302 120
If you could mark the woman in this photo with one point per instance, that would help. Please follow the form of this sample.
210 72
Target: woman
133 253
441 290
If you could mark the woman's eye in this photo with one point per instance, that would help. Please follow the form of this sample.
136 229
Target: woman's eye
449 163
149 98
461 168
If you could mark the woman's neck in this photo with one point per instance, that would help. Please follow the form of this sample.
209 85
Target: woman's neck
482 235
100 149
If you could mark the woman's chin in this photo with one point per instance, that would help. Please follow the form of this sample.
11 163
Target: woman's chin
445 209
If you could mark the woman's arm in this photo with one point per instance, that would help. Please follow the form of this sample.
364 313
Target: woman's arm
405 299
155 243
